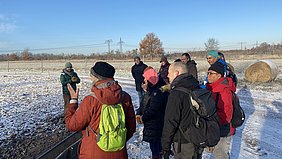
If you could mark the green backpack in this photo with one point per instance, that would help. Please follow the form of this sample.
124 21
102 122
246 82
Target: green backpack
111 135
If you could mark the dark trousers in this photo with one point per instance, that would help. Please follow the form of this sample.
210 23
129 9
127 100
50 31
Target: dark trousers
156 149
187 151
67 102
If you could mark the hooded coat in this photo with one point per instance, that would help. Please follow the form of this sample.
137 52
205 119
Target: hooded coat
152 110
223 88
178 113
88 114
66 77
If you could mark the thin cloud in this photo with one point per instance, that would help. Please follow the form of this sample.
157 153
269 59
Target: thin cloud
6 24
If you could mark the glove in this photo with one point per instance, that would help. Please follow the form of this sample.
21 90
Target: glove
165 88
73 79
166 154
139 119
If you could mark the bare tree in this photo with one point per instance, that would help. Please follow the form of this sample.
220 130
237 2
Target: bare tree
151 45
211 44
26 55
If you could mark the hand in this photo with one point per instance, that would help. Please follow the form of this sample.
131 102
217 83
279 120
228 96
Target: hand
73 94
73 79
210 149
166 154
139 119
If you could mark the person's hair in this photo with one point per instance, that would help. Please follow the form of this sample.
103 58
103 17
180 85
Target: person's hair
187 55
137 57
181 67
177 60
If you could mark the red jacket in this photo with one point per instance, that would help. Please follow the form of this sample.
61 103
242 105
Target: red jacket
88 114
224 88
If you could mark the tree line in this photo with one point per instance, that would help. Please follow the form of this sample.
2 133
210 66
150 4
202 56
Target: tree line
149 47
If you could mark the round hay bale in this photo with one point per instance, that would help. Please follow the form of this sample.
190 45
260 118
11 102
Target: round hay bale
261 71
230 67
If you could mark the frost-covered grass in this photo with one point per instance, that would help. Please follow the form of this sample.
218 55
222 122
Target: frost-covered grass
28 98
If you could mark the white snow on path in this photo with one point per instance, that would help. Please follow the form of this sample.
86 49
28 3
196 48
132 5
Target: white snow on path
27 100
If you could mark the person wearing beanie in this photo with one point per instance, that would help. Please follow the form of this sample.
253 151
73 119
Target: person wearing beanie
191 65
68 76
163 71
222 88
137 71
104 90
151 111
214 56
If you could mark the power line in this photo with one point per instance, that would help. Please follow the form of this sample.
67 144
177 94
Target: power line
120 45
109 45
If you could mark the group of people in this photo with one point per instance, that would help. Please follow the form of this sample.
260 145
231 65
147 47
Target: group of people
162 111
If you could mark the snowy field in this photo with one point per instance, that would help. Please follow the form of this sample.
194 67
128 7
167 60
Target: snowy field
30 98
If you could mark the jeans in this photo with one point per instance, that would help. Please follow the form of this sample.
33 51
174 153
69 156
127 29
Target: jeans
140 95
156 148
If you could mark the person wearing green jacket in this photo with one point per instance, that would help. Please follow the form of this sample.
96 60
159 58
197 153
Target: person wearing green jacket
68 76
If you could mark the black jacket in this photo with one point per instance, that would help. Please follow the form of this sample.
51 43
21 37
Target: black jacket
178 111
152 110
137 73
192 69
163 72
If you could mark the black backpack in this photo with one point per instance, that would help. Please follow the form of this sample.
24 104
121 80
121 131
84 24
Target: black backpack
238 116
232 75
204 130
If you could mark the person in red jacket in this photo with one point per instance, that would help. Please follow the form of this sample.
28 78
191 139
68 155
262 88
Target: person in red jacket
222 88
107 91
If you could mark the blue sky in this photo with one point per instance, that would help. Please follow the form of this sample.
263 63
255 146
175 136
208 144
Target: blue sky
180 25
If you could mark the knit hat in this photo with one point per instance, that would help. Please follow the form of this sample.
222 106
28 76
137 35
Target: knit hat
68 65
103 69
163 59
213 53
151 75
217 67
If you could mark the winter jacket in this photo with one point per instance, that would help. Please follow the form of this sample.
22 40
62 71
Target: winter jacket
223 88
137 73
66 77
178 113
152 111
192 69
88 114
163 72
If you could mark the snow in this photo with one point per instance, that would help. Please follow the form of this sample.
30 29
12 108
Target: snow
27 100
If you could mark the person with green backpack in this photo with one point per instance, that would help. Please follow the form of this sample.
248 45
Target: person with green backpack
106 117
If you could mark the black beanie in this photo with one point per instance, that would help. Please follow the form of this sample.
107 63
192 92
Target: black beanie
103 69
217 67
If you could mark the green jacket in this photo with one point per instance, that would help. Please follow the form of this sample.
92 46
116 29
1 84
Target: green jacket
69 77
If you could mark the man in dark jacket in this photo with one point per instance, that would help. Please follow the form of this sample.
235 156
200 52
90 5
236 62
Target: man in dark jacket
178 114
164 69
191 65
68 76
137 72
